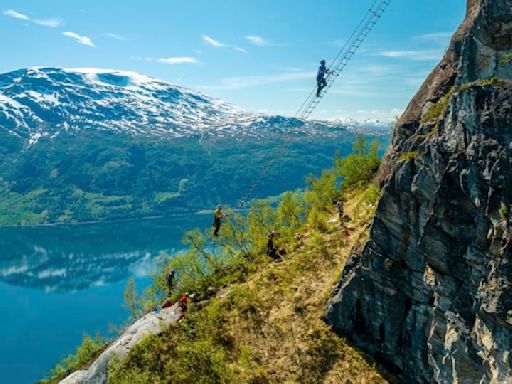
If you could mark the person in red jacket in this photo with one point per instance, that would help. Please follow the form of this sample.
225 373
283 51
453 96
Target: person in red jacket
183 304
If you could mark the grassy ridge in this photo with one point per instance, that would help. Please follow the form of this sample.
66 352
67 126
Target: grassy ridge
267 327
254 320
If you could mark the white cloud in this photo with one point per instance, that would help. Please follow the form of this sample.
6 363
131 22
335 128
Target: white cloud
80 39
16 15
211 41
219 44
168 60
415 55
257 40
176 60
50 23
441 38
115 36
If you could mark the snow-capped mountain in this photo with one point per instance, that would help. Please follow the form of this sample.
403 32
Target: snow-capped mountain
89 145
46 101
375 127
39 102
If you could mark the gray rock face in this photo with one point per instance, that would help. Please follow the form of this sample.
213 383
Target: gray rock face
431 293
152 323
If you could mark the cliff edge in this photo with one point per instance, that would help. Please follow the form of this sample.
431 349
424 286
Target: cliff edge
430 294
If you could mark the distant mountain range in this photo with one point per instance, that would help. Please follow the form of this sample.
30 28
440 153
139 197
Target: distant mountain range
372 127
93 144
40 102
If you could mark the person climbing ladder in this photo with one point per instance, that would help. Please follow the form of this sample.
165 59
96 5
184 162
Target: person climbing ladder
320 78
342 59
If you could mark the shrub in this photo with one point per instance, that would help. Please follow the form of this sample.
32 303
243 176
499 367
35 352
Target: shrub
131 299
505 58
200 349
320 191
261 219
367 203
189 352
245 301
319 244
493 82
408 156
504 211
359 168
317 219
437 111
85 354
291 213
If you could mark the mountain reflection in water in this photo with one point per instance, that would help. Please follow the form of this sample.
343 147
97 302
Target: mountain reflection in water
70 258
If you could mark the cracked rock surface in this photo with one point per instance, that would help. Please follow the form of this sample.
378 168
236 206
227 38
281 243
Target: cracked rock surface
430 295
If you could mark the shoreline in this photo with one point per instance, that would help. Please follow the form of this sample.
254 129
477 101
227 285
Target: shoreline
201 212
123 220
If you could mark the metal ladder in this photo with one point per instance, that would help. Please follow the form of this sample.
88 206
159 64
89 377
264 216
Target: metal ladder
344 56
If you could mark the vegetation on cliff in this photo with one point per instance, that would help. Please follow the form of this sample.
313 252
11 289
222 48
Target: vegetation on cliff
254 320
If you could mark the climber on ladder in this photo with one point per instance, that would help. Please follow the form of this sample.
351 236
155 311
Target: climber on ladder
320 78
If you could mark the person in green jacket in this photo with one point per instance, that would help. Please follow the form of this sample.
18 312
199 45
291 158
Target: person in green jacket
217 220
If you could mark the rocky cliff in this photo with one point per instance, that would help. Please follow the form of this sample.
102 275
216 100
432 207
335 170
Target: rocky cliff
430 294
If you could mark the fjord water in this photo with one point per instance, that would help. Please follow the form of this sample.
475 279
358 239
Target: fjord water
58 282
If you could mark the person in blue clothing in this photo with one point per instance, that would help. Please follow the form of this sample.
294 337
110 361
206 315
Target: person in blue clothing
320 78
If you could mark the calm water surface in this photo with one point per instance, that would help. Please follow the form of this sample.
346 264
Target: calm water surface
58 282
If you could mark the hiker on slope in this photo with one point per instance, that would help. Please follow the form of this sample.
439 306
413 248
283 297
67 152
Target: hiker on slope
272 250
170 280
183 305
217 220
340 210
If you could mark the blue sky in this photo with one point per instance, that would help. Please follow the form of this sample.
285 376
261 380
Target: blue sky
259 54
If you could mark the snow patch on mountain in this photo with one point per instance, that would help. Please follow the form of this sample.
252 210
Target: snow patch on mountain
41 101
378 127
